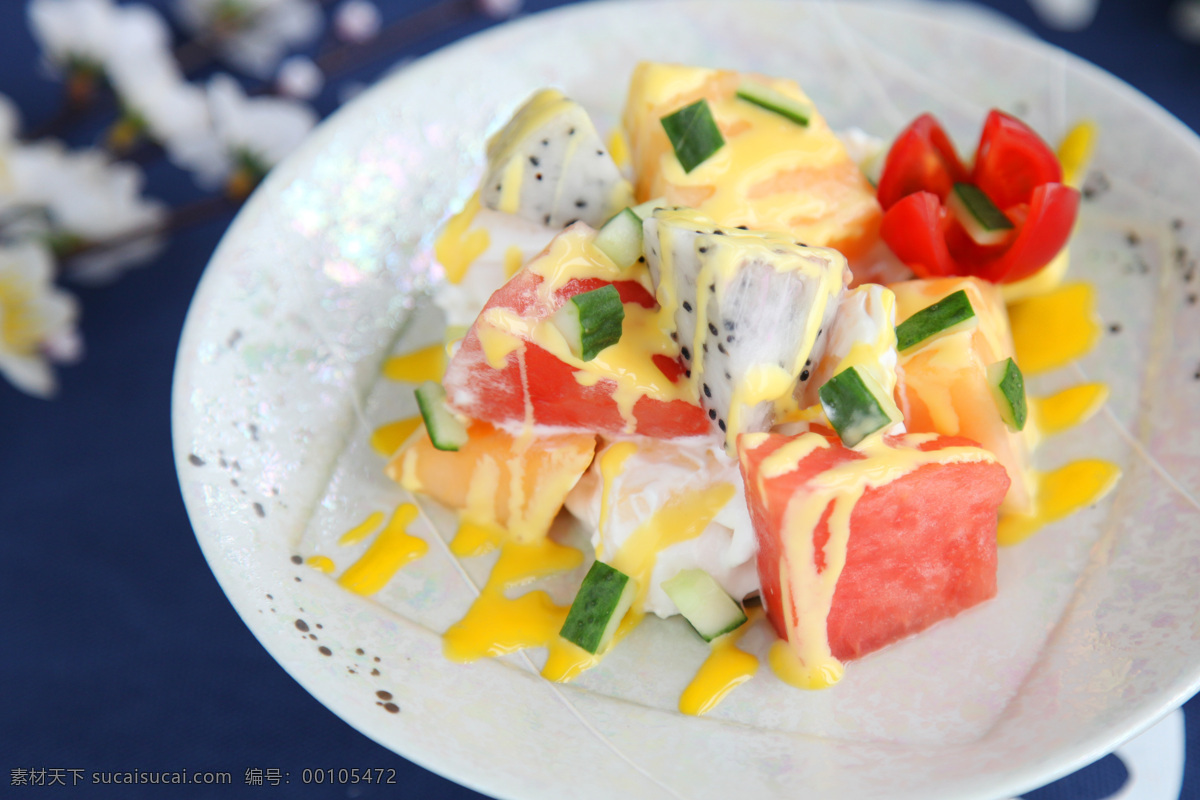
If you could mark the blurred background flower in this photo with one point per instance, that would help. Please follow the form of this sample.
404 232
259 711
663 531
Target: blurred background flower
252 35
37 320
251 134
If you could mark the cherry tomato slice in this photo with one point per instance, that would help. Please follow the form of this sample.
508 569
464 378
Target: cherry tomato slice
922 159
1045 231
1012 161
915 229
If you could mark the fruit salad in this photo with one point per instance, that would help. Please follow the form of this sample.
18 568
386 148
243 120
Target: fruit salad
776 383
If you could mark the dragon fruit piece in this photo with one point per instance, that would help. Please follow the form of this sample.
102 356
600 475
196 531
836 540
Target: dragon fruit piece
549 166
748 308
862 334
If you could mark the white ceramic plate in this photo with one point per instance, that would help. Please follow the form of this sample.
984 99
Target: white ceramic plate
1095 632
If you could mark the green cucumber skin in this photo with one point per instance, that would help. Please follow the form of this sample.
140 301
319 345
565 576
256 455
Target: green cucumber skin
953 309
981 208
444 429
1009 384
598 599
986 224
853 410
704 604
693 133
776 102
601 317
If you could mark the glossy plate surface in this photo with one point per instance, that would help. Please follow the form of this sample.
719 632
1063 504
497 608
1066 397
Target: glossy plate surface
1094 634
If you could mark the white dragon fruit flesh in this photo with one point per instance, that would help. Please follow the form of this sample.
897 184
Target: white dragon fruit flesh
862 334
748 308
549 166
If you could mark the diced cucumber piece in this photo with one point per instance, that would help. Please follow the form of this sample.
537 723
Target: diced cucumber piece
953 312
604 597
646 210
778 102
857 406
982 220
621 238
1008 389
445 430
591 321
703 603
693 133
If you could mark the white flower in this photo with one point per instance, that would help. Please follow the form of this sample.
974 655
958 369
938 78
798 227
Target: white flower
1066 15
1185 20
300 77
90 32
253 35
499 9
37 319
158 101
10 121
251 134
356 21
83 199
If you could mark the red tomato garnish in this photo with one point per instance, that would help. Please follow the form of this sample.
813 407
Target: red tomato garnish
1045 231
915 230
922 159
1012 161
1014 168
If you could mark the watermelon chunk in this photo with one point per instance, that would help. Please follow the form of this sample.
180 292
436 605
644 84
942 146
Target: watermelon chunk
510 370
858 549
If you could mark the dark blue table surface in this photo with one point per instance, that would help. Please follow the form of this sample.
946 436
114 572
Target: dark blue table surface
120 652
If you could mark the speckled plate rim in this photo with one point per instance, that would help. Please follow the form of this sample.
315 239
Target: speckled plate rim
209 526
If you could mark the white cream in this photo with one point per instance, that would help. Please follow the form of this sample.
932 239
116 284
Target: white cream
647 479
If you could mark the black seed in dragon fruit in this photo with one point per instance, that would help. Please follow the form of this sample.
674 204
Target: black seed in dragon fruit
749 309
549 166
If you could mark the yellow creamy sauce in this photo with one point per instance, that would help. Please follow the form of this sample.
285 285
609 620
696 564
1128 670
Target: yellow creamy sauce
683 517
1060 493
513 259
391 550
496 623
1068 408
459 244
426 364
726 668
1053 329
321 563
362 530
618 147
387 439
1050 331
612 461
764 145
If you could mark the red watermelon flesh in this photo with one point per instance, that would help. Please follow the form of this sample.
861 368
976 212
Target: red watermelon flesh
556 398
921 547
